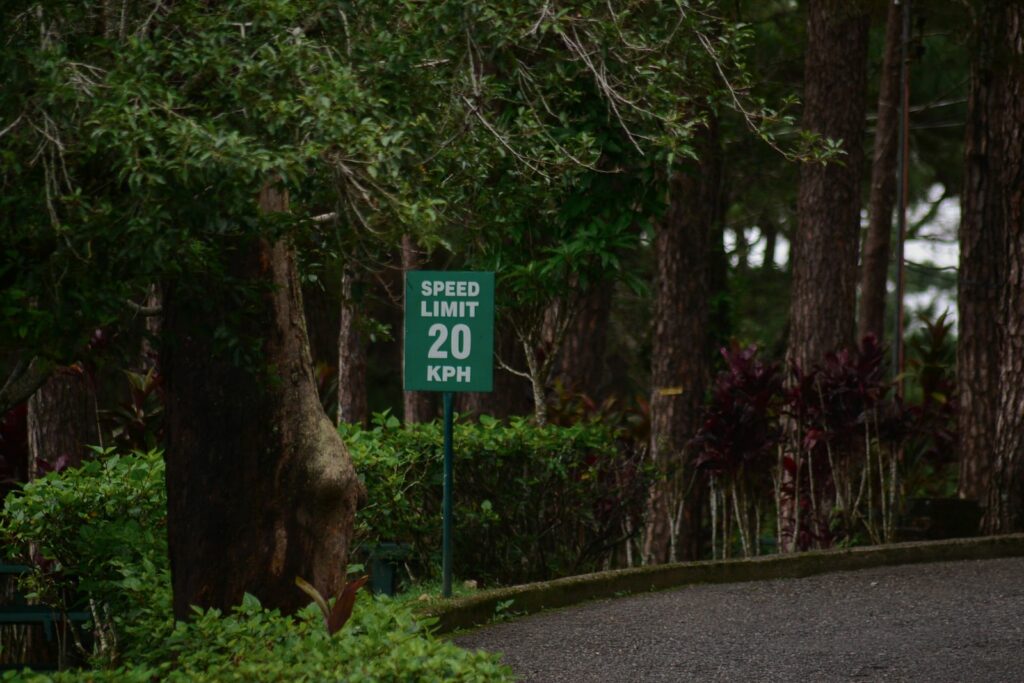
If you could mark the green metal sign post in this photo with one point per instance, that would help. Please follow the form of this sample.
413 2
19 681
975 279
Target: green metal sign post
449 347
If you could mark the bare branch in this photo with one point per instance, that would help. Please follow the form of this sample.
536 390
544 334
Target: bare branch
14 123
507 368
149 311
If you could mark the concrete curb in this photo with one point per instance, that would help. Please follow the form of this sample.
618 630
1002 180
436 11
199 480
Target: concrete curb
479 609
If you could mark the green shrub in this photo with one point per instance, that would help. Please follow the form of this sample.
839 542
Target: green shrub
100 531
530 503
383 642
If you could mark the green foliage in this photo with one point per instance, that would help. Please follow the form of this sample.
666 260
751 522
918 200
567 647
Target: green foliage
530 503
383 642
98 530
100 533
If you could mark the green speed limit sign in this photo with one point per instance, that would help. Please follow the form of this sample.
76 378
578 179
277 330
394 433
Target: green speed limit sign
449 331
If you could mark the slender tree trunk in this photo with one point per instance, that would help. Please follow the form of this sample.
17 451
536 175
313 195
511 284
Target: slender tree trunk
352 406
771 237
828 202
260 488
417 406
996 174
875 263
62 420
680 362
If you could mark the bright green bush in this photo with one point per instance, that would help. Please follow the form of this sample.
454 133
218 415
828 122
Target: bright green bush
530 503
100 531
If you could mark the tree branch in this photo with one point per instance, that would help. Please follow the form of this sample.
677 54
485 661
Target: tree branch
23 381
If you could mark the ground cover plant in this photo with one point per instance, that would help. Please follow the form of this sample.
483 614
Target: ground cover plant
95 537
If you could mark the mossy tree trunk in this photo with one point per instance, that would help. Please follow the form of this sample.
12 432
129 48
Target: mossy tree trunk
260 488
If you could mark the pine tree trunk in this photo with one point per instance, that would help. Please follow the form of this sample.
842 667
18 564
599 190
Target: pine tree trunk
680 361
352 406
875 262
982 268
417 406
62 420
260 488
998 80
825 246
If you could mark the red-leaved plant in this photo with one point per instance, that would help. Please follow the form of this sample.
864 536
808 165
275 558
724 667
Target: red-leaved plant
336 616
735 446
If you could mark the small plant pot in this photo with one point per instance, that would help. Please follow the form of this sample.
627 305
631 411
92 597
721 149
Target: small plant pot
385 561
939 518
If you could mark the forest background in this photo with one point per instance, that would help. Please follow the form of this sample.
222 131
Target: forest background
207 213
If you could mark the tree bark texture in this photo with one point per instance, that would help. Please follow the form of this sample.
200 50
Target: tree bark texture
823 297
874 273
983 261
680 358
352 405
260 488
995 198
581 360
62 420
417 406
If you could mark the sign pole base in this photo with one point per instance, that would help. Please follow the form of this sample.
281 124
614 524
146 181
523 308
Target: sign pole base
446 586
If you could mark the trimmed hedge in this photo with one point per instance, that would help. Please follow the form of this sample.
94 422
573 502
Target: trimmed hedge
530 503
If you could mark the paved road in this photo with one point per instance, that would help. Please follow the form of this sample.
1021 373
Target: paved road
956 621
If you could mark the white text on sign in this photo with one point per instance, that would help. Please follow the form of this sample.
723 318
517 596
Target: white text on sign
443 373
449 288
448 309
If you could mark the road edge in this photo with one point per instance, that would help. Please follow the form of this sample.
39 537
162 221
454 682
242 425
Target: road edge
482 608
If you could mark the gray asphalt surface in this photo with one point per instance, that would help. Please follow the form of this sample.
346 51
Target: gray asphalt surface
955 621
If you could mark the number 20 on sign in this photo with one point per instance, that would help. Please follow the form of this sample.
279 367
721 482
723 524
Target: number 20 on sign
449 331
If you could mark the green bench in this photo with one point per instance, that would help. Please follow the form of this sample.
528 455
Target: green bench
18 612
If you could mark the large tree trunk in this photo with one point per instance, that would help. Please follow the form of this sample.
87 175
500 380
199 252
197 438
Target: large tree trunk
875 266
417 406
983 264
352 405
982 268
828 202
994 206
260 488
62 421
680 358
825 246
